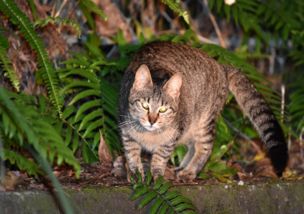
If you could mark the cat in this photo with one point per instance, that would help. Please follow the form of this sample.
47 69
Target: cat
172 94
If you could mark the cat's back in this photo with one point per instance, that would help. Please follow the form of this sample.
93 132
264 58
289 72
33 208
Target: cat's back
171 57
203 77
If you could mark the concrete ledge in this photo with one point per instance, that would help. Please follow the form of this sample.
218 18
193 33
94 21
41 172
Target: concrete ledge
260 198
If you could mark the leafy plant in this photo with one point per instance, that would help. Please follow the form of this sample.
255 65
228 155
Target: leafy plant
225 57
16 16
159 196
296 106
175 5
88 7
23 124
216 165
91 112
58 21
6 64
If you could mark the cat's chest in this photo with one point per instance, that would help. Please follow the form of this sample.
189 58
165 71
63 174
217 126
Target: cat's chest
150 141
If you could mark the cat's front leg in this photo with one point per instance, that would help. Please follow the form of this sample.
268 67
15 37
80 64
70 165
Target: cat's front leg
160 157
133 157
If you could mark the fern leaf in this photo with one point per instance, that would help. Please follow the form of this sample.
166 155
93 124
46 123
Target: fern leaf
58 21
88 8
156 205
18 120
90 117
159 197
139 191
175 5
164 209
94 102
36 129
296 106
147 199
84 94
7 66
10 9
85 107
22 162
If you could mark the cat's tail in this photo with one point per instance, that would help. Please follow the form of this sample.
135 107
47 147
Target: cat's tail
255 107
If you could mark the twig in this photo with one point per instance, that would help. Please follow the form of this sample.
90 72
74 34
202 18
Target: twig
61 7
282 103
301 143
215 25
206 40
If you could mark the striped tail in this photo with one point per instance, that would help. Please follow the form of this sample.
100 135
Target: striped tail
255 107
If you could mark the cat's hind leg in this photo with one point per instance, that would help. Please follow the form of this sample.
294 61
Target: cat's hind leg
202 145
187 158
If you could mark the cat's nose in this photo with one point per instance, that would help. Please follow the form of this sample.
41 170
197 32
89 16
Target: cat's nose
152 118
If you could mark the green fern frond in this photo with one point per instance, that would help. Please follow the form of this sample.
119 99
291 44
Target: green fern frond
7 66
22 122
58 21
296 106
22 162
160 197
175 5
88 7
256 16
10 9
93 101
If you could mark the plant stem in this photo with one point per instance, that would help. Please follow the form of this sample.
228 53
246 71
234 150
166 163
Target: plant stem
215 25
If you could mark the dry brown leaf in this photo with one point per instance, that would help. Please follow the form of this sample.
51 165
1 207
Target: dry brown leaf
104 154
263 168
11 180
115 21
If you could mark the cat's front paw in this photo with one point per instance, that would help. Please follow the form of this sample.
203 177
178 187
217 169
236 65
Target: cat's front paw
186 175
156 173
133 172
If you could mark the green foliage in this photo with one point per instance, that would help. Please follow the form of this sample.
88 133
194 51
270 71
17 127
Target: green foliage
91 112
6 64
263 86
59 22
159 196
265 19
89 8
23 163
216 165
16 16
22 123
175 5
296 106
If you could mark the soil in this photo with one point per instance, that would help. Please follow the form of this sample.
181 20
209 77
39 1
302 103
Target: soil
102 174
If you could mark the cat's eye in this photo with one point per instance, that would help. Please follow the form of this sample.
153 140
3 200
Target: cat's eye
145 105
162 109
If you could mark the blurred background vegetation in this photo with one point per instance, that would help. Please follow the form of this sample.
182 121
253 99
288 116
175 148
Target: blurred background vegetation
61 62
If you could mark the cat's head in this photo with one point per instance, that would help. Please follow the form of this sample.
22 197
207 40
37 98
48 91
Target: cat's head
154 107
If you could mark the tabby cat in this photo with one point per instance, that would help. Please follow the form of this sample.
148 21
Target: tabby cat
172 94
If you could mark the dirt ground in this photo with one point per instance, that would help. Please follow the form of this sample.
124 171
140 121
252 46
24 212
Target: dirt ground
97 174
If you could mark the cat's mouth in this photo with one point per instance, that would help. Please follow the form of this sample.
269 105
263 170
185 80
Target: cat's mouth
150 127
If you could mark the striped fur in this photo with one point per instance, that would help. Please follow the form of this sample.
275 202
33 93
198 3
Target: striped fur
192 88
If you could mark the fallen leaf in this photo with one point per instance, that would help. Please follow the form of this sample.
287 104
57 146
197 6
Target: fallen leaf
104 154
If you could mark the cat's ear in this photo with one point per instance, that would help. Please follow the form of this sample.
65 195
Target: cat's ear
173 85
143 78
